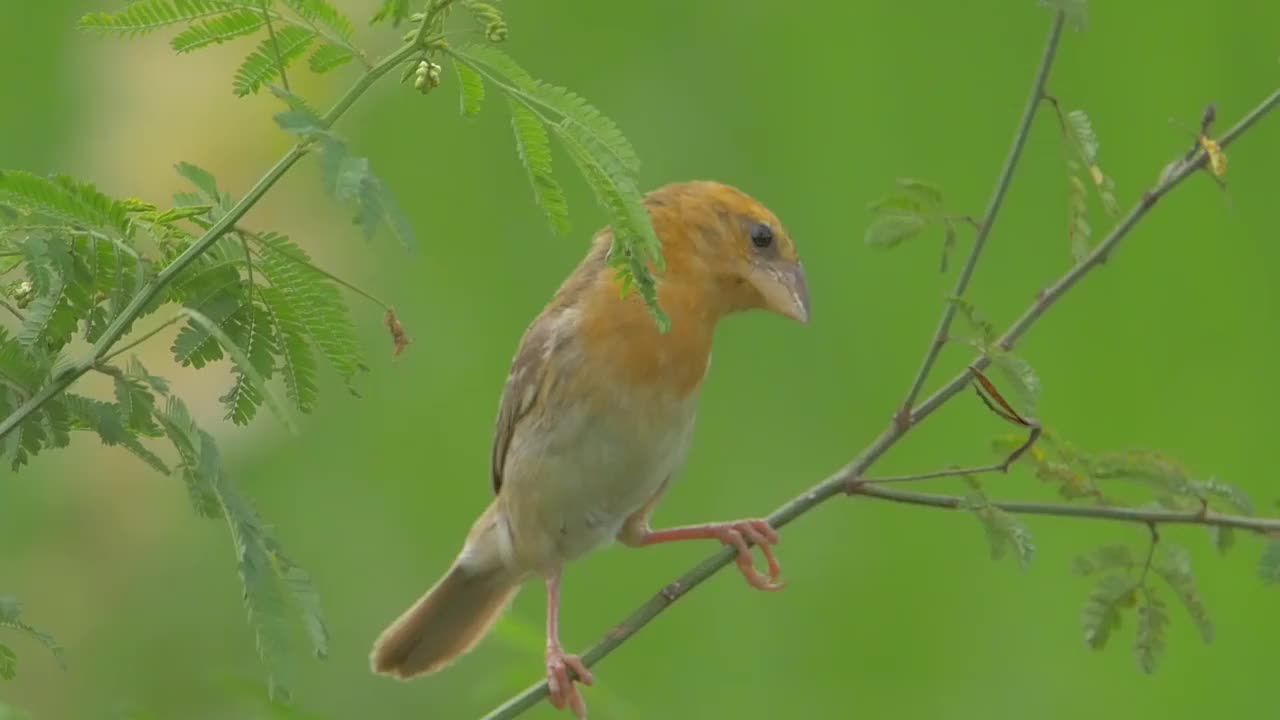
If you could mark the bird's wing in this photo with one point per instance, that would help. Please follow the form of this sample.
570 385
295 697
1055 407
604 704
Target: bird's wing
542 347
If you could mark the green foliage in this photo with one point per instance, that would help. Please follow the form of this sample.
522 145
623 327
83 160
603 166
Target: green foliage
1004 531
347 177
1127 582
603 156
286 37
11 618
905 213
1101 616
217 30
1082 474
1153 627
1080 148
534 149
1269 562
274 54
1174 567
396 11
471 92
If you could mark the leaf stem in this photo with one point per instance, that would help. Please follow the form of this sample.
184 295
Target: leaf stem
838 481
988 219
120 325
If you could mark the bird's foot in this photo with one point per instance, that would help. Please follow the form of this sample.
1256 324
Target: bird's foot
563 692
758 531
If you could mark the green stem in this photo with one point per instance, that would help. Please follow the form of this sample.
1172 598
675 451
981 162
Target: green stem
120 325
988 219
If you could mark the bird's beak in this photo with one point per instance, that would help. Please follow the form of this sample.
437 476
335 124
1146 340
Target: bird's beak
786 292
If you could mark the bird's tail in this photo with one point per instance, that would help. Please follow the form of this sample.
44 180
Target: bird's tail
457 611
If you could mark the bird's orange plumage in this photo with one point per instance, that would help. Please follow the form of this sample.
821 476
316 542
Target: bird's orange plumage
596 419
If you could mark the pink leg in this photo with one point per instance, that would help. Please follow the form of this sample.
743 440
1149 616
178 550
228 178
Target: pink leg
734 533
563 691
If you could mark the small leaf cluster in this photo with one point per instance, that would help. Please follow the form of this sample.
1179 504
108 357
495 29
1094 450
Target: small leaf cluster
1080 149
592 141
289 31
11 619
252 297
1123 582
905 213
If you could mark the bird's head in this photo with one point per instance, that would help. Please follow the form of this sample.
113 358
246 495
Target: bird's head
726 242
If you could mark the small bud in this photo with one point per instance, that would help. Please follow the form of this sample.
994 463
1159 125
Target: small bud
496 32
23 293
427 76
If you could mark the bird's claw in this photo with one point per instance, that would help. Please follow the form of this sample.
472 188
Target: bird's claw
563 692
760 533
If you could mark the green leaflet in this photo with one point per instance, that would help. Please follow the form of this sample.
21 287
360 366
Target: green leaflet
603 155
145 16
217 30
321 12
265 63
327 57
275 588
534 149
1175 569
244 365
396 11
1153 626
11 618
1101 615
470 89
1004 532
64 199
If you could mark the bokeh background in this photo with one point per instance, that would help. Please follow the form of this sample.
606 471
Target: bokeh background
890 611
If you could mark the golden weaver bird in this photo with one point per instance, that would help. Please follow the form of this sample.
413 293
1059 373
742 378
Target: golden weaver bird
596 419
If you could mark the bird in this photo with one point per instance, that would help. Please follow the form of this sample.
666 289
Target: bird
595 421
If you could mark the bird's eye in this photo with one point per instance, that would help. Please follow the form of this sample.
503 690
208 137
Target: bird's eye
762 235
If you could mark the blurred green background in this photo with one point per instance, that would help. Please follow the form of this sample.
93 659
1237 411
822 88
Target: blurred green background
815 109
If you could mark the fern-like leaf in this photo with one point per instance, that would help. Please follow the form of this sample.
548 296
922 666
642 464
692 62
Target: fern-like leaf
321 12
307 306
1153 626
217 30
11 618
245 365
197 455
1175 569
396 11
264 64
1107 557
108 421
327 57
1004 532
534 149
592 127
145 16
1101 616
470 89
64 199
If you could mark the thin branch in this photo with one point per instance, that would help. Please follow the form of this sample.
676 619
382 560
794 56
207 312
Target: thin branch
838 481
989 218
950 472
1096 512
